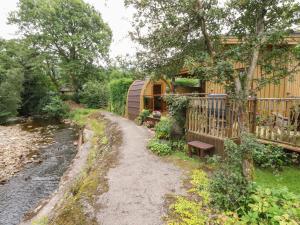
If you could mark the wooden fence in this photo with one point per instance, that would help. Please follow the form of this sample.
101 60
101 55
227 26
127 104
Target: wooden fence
271 119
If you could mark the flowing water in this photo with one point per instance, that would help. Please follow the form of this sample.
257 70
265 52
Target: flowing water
38 180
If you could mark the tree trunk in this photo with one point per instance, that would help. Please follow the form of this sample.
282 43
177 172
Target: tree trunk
248 167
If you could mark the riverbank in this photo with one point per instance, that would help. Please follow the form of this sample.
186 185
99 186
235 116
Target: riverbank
75 200
55 150
19 145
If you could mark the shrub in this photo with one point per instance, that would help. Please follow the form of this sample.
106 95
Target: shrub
55 108
177 106
270 206
94 94
270 157
179 145
142 116
159 148
163 129
229 189
118 93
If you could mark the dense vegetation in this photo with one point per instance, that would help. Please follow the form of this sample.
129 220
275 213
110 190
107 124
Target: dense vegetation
63 46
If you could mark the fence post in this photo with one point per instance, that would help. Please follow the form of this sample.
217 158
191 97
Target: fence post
253 116
228 114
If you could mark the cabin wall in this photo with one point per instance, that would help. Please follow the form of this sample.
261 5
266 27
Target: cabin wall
286 88
148 90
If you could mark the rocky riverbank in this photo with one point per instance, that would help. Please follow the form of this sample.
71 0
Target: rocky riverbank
19 145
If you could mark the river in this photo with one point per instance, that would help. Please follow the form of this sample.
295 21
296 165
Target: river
37 181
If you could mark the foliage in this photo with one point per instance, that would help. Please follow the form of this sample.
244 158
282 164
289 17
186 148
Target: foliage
229 189
94 94
163 128
11 80
159 148
272 206
179 145
70 33
270 156
55 108
169 46
142 116
192 211
177 106
118 93
188 213
187 82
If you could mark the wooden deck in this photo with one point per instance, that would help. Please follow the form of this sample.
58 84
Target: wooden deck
272 120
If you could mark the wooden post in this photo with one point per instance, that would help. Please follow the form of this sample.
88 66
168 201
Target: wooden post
253 117
228 113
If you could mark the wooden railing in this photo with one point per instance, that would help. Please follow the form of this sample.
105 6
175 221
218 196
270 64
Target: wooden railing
278 120
212 116
271 119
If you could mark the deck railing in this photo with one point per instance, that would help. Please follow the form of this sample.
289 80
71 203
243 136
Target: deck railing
278 120
270 119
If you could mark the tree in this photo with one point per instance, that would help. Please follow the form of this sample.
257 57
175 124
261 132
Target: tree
70 33
11 79
191 33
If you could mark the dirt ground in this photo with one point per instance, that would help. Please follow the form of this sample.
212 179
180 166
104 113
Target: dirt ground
139 183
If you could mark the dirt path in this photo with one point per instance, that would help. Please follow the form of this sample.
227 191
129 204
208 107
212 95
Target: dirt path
139 183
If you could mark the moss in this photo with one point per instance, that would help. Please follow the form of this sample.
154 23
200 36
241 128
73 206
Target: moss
92 181
41 221
72 213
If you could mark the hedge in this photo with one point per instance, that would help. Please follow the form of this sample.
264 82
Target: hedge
118 94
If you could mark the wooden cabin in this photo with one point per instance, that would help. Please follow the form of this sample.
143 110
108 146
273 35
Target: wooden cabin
146 94
273 116
285 89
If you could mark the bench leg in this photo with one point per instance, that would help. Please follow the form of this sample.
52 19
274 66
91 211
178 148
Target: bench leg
190 151
202 153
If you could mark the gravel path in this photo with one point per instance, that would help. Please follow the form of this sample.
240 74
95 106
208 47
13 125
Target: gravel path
139 183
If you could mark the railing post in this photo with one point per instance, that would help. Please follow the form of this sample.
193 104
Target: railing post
228 108
253 111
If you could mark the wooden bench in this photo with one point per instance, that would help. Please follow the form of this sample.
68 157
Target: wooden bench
201 146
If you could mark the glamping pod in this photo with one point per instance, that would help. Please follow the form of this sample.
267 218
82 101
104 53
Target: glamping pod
146 94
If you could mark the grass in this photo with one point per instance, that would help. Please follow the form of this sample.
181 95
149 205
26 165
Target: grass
80 116
288 178
182 160
187 82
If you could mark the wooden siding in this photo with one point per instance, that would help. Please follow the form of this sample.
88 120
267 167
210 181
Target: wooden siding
287 87
134 99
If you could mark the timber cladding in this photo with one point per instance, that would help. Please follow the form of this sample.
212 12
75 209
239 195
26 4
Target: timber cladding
134 99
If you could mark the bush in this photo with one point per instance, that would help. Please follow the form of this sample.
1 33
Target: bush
270 157
163 129
55 108
177 106
94 94
229 189
270 206
142 116
159 148
118 94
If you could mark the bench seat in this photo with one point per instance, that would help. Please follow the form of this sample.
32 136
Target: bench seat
201 146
